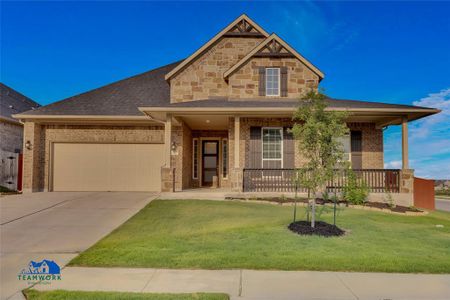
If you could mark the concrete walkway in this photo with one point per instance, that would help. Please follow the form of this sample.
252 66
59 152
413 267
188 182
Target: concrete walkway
249 284
56 226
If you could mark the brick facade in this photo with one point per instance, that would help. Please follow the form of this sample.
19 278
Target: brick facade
372 145
36 161
11 136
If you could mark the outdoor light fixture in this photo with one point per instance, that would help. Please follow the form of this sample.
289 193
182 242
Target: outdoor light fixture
28 145
174 146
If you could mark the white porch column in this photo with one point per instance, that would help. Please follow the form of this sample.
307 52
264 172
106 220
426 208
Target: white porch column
167 140
405 160
237 130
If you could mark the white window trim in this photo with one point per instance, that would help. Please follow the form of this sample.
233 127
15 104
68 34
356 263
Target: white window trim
194 152
227 158
262 147
279 82
348 153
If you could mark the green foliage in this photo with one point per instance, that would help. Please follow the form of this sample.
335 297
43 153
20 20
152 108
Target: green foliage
390 199
82 295
356 190
318 132
443 192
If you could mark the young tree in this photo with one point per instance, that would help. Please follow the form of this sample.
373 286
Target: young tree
319 133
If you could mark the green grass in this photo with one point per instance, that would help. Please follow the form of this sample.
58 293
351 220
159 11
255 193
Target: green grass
223 235
78 295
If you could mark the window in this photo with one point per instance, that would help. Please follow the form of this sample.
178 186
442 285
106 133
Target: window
272 147
224 158
195 158
345 141
272 81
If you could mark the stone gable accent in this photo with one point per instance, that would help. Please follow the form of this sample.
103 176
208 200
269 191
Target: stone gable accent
203 79
244 83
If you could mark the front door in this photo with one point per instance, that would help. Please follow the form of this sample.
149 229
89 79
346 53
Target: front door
210 161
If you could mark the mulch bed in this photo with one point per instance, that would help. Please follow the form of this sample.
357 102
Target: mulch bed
397 208
320 201
321 228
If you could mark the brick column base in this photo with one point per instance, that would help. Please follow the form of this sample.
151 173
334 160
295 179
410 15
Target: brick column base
167 178
407 181
237 180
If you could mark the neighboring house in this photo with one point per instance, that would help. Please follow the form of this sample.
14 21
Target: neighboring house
11 133
212 120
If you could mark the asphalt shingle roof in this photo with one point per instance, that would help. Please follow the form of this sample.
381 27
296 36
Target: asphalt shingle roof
12 102
150 89
121 98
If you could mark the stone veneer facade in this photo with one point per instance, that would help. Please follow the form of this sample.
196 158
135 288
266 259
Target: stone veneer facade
203 78
244 83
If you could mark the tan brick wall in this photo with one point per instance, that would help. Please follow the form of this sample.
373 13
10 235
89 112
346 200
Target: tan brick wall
11 136
245 82
43 137
33 159
203 78
372 145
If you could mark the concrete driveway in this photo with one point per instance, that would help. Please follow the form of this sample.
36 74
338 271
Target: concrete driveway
57 226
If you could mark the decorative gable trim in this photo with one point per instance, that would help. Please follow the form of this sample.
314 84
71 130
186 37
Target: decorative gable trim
244 29
242 26
273 46
273 49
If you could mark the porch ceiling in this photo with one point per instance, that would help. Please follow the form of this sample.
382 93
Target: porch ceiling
206 122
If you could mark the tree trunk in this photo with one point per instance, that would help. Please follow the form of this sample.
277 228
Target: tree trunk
313 213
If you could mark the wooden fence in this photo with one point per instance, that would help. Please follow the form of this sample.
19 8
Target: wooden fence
424 193
9 170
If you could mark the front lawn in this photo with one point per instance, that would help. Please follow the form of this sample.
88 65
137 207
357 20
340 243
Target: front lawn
224 235
78 295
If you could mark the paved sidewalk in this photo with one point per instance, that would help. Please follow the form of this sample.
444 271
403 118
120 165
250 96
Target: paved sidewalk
249 284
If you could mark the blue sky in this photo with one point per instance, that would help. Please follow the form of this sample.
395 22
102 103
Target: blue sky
396 52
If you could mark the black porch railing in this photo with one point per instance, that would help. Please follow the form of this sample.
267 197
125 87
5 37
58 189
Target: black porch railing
283 180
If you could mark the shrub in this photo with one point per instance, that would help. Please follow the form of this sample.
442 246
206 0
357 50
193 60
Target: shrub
356 191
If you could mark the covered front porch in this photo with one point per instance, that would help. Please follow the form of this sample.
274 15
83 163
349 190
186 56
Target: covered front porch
214 149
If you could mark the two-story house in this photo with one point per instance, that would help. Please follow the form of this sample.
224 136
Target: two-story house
218 118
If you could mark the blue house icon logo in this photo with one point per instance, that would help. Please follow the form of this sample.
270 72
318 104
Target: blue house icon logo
44 270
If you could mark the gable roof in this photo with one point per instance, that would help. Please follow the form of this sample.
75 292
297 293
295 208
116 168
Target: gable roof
228 29
121 98
13 102
273 38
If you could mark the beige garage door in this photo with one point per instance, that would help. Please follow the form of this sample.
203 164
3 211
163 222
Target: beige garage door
107 167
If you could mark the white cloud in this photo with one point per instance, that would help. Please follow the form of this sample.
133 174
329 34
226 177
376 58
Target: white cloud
394 164
429 140
436 123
